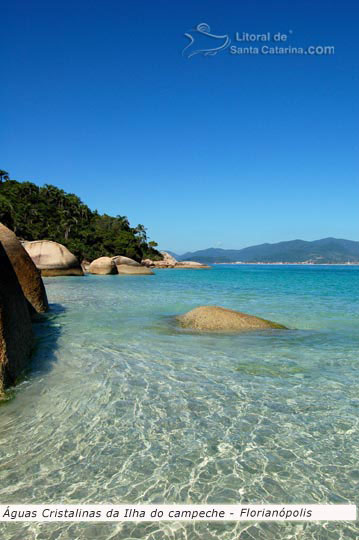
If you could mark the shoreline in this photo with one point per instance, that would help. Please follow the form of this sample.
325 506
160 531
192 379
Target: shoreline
287 264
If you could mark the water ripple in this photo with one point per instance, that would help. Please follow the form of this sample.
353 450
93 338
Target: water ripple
122 407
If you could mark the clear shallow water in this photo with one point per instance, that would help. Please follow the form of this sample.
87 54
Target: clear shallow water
122 406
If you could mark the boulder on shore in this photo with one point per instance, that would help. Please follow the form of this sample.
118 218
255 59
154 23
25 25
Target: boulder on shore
15 324
155 264
167 262
103 266
85 265
118 265
119 259
53 259
28 275
168 259
134 270
170 262
219 319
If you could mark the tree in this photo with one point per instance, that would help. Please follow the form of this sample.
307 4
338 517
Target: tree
6 212
37 213
123 220
4 175
140 231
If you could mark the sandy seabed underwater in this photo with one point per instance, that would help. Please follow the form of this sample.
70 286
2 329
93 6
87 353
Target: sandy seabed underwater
122 406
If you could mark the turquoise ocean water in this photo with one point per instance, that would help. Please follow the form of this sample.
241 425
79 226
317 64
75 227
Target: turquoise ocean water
121 406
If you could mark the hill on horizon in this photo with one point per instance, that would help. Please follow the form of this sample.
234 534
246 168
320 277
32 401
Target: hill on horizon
324 251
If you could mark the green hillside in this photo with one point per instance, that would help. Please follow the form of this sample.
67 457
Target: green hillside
37 213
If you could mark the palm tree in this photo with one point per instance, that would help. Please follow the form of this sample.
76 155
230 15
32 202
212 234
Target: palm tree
4 175
141 231
123 220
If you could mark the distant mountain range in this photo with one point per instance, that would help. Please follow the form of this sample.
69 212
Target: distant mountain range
325 251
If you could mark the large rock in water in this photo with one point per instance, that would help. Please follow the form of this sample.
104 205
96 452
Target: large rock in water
85 265
119 259
167 262
27 274
219 319
170 262
168 257
15 324
103 266
134 270
53 259
156 264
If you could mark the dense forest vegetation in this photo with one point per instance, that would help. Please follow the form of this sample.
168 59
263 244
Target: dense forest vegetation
37 213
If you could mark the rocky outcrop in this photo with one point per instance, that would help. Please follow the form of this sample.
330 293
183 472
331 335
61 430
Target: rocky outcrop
15 324
191 264
155 264
103 266
127 269
28 275
219 319
119 259
167 262
170 262
167 258
85 265
53 259
118 265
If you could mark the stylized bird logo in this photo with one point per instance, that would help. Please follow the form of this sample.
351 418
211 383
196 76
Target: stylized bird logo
200 39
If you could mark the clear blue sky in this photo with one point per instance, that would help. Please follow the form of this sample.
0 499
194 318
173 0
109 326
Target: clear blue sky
226 151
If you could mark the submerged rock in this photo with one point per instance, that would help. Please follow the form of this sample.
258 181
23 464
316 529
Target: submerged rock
28 275
103 266
134 270
219 319
15 324
53 259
